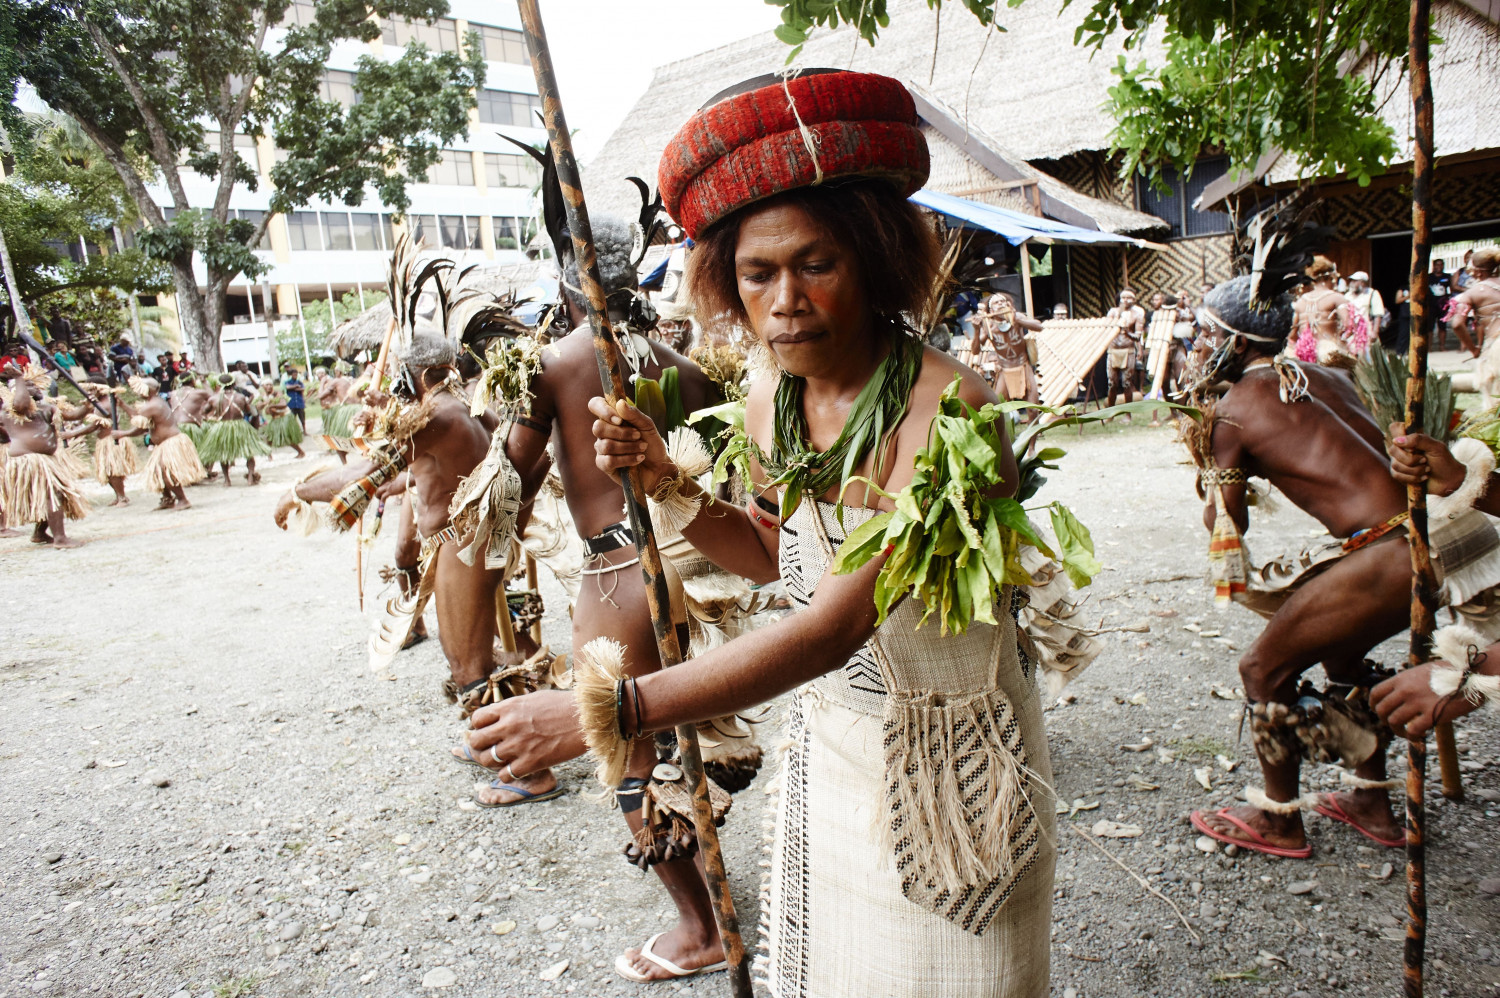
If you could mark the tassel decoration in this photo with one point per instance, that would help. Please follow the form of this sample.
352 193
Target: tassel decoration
597 669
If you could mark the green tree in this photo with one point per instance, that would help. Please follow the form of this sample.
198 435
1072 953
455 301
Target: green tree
142 76
320 324
63 193
1244 78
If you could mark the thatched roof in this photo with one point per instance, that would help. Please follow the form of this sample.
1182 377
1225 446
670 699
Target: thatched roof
1466 98
366 331
1027 89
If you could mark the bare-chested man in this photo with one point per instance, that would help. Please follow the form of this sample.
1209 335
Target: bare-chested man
612 599
1129 320
230 437
278 427
190 405
338 410
1002 334
439 454
1330 330
1480 305
174 463
36 485
114 459
1325 452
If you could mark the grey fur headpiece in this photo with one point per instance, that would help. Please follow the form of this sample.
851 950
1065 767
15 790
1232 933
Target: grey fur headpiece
428 349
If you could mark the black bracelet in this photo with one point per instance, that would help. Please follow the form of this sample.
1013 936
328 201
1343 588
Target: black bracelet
620 707
635 694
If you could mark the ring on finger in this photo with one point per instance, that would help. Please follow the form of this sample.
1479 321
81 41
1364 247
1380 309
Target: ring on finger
511 776
495 758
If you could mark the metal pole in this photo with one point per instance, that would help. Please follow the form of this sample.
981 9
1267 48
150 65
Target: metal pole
607 354
1424 579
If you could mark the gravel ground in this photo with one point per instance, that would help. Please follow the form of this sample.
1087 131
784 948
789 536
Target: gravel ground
208 793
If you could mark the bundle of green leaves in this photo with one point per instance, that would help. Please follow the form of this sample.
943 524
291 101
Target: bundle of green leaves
953 541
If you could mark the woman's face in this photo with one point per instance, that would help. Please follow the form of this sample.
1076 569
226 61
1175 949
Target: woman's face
801 290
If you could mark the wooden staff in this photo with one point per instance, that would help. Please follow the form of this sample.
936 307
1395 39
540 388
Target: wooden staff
607 353
1424 578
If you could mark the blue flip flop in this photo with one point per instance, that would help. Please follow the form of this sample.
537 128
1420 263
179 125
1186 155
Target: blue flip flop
468 759
527 797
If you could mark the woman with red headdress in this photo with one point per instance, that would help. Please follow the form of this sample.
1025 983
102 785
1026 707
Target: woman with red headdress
913 849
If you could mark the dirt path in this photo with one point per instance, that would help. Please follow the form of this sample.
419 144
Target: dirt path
206 792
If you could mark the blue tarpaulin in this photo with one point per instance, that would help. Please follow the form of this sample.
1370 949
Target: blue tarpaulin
1012 226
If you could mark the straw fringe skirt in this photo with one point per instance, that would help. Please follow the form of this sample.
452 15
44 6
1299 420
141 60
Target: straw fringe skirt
33 485
174 462
115 459
226 441
283 431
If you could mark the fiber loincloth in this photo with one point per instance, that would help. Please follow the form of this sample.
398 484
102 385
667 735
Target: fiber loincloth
226 441
32 486
1119 358
282 431
1017 382
174 462
115 459
486 504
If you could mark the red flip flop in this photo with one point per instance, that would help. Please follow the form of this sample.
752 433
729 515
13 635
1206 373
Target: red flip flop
1329 807
1256 842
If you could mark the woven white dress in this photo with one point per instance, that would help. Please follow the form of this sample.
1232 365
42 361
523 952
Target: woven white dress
913 848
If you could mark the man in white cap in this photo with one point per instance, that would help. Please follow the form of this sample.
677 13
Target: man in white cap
1363 298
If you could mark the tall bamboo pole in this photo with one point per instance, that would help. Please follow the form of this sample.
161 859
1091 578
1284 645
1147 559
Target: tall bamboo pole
1424 579
607 353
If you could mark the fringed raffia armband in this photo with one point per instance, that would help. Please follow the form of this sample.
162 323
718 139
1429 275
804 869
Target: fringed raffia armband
1461 648
1477 457
671 509
598 670
1256 798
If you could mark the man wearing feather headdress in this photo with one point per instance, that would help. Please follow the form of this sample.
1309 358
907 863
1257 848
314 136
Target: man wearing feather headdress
36 484
174 463
1301 427
432 440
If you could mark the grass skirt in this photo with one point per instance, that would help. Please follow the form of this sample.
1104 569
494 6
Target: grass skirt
194 432
115 458
283 431
32 485
174 462
336 420
229 440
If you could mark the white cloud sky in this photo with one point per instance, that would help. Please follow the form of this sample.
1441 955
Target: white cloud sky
605 51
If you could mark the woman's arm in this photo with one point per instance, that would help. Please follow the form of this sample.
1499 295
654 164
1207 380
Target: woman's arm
747 671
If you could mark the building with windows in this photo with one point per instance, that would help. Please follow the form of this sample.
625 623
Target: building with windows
475 203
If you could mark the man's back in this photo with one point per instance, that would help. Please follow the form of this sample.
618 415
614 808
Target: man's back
1317 451
569 378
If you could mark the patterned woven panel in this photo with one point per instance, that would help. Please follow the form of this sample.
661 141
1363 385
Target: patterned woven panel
1095 275
1185 263
1091 172
1454 200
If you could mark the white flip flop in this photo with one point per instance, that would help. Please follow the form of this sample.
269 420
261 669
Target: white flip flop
625 970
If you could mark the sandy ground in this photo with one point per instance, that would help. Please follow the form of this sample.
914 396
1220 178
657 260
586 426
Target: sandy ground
205 791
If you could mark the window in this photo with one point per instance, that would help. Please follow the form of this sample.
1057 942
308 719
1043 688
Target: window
338 86
503 44
302 231
422 227
254 217
388 232
1176 206
336 231
505 233
299 12
455 167
471 224
440 36
366 230
505 107
452 229
504 169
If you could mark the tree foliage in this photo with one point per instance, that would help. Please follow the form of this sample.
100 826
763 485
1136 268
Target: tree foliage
173 81
1239 77
64 192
